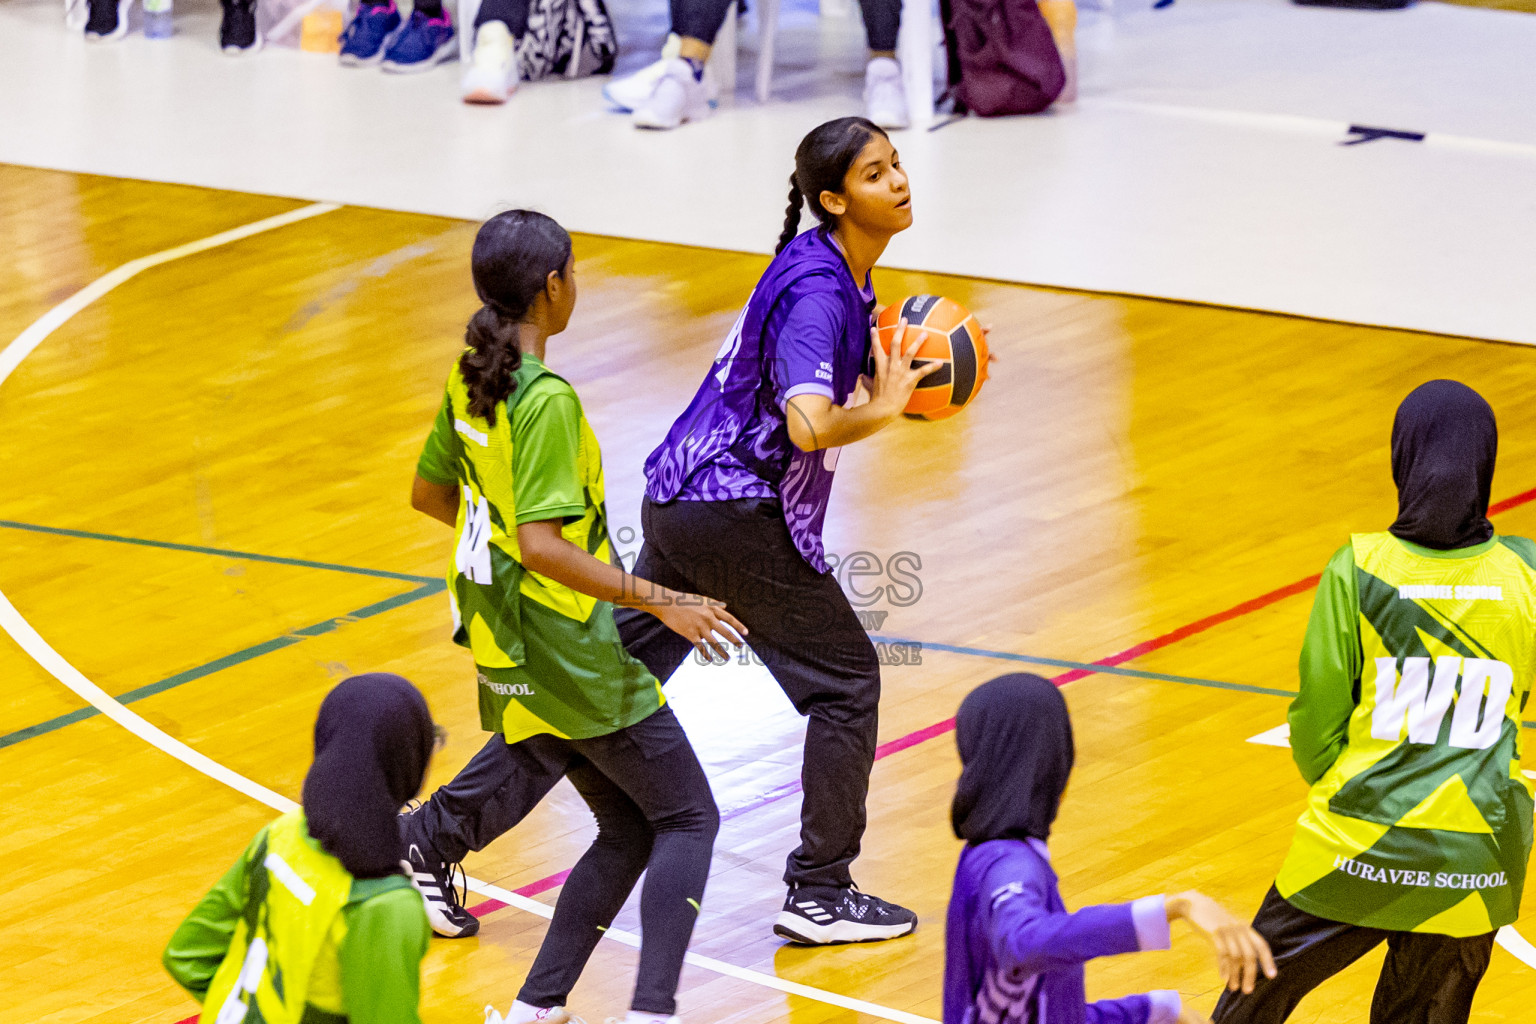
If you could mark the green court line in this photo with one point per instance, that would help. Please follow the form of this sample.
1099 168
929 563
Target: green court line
426 589
196 549
1113 670
431 585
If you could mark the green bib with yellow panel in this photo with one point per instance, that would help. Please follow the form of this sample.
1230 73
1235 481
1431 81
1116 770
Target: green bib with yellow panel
1424 821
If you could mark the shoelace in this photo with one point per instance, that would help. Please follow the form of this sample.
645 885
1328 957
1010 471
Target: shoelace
874 902
452 895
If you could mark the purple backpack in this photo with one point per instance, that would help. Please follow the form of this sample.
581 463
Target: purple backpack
1002 57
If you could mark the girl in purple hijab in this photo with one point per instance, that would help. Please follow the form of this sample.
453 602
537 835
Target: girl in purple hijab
1014 953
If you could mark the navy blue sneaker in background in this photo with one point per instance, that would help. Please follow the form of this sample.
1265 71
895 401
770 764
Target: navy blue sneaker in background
425 42
364 40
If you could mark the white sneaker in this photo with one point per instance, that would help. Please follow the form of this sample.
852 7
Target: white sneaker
885 98
677 98
492 75
522 1013
631 91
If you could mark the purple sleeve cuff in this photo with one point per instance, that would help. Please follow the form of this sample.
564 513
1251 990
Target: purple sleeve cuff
1150 914
809 389
1166 1006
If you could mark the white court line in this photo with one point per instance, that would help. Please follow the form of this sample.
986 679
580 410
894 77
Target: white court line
1515 945
1301 124
1279 736
32 642
1513 942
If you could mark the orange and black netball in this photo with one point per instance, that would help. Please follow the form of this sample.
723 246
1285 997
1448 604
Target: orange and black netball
952 337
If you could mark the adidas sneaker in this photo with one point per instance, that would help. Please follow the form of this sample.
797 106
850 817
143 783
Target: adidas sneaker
825 917
434 880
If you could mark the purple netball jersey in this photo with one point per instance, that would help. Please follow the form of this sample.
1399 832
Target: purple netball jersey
805 330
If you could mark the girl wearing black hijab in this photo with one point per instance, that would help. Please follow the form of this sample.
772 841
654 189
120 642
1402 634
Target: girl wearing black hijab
1014 954
317 920
1417 660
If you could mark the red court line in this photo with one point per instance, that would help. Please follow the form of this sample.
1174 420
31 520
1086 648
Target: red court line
531 889
1522 498
1237 611
927 733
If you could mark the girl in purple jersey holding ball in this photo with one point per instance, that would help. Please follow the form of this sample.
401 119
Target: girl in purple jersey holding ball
737 493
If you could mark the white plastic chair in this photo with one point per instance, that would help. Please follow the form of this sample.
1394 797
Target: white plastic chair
915 46
723 56
914 49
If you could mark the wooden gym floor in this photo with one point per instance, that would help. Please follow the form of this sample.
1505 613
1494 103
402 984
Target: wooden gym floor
1143 484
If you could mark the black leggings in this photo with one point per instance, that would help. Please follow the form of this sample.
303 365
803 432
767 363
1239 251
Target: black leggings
1427 979
655 814
701 19
802 627
513 12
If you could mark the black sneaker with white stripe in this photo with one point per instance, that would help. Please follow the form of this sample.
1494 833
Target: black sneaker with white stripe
826 917
434 880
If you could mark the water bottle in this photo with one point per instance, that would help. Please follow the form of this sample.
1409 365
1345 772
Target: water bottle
157 19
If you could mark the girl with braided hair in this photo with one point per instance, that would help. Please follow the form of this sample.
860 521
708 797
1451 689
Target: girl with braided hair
736 496
514 467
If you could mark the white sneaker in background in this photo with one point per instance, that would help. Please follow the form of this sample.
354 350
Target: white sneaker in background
629 92
676 99
885 98
492 74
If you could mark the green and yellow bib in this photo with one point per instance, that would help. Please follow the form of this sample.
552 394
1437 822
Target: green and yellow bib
549 659
1424 821
283 956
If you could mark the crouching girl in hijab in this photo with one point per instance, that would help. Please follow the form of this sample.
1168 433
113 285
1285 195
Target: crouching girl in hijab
315 921
1015 954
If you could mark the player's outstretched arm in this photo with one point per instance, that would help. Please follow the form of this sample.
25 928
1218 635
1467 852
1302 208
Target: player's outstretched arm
1241 952
704 623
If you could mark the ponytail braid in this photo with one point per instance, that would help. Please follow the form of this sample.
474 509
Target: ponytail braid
490 361
514 256
791 216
